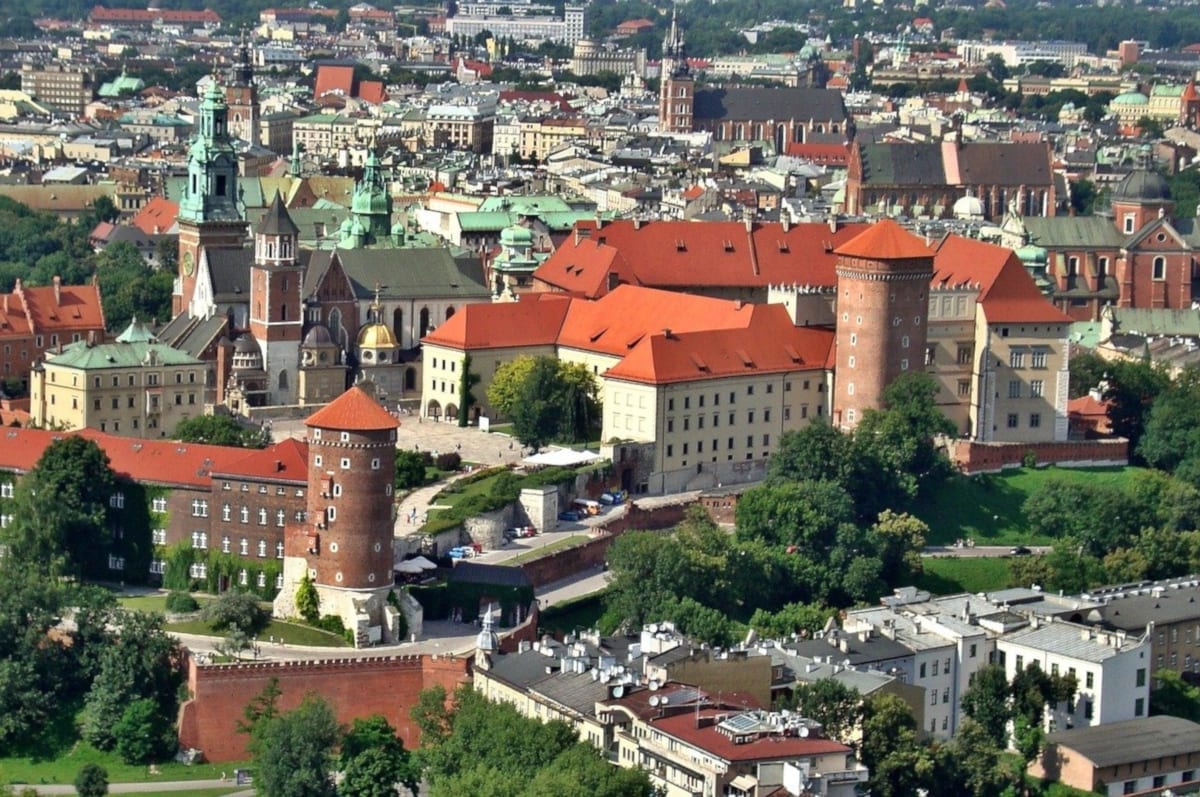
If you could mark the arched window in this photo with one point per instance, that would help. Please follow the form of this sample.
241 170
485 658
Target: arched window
1160 268
739 132
335 326
758 132
449 313
798 133
424 326
398 325
283 380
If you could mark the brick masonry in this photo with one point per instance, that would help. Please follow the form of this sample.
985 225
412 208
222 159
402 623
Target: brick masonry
973 457
356 687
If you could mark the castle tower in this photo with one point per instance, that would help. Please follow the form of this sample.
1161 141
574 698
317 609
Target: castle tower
1142 196
276 320
370 219
882 297
241 95
345 546
678 88
210 215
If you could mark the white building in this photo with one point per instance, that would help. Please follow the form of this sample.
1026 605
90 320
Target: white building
567 30
1112 668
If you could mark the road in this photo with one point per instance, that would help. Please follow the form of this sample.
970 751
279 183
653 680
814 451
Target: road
979 551
156 787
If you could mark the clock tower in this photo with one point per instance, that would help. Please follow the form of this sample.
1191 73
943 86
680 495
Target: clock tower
210 213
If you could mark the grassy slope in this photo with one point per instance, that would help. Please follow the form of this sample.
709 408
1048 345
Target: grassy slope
948 575
988 507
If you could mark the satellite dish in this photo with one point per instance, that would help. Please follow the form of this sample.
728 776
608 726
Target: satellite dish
803 731
653 684
654 701
618 691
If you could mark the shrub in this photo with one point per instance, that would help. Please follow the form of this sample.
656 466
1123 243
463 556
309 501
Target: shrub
92 781
331 623
308 602
449 461
506 488
179 602
235 608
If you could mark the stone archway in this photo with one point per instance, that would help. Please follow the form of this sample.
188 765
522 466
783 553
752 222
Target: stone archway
433 409
452 412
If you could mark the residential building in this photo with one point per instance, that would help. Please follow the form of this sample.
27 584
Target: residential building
464 126
1139 756
134 386
1167 612
34 321
1112 669
58 87
565 30
591 58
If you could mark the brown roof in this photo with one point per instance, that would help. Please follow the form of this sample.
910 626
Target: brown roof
683 726
353 411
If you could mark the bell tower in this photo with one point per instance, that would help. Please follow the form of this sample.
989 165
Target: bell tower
370 220
276 320
241 95
677 93
210 216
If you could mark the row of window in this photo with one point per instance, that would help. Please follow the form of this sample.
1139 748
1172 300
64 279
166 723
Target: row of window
1013 421
199 570
200 542
716 397
1016 358
344 437
716 419
319 461
1037 388
766 441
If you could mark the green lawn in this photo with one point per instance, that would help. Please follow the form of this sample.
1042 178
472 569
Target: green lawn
573 615
987 507
154 604
291 633
546 550
946 575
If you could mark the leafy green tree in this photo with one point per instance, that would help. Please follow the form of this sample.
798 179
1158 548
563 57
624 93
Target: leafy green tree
60 524
144 734
91 781
833 704
903 434
1132 388
235 608
648 570
410 470
293 753
373 760
1172 435
700 622
432 716
805 514
793 618
901 539
555 401
1087 372
899 765
261 710
986 702
139 663
979 760
220 430
466 395
308 602
1174 696
1150 128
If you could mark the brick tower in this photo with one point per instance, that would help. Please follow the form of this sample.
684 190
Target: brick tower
241 95
345 545
677 93
882 297
276 320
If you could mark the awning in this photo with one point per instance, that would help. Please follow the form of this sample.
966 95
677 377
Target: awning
423 563
409 566
562 457
746 783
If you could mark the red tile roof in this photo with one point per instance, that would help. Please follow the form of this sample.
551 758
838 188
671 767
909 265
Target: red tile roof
885 240
353 411
156 216
771 344
534 320
1006 291
617 322
287 460
102 14
837 154
1087 406
166 462
372 91
583 267
685 254
683 726
334 79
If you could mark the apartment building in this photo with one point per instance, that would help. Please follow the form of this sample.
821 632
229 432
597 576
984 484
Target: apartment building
36 320
134 386
465 126
1167 612
1111 667
323 135
59 87
565 30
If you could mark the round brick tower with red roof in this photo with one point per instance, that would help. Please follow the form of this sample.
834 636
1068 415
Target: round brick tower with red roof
345 546
883 279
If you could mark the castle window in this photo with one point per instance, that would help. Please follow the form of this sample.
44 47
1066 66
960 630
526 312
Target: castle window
1130 219
1039 359
226 512
280 518
1035 420
225 545
1037 388
345 463
964 387
262 549
1012 420
244 546
262 516
1160 268
261 581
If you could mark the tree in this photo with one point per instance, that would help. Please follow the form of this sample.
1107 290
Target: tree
91 781
804 514
61 511
986 702
410 470
979 760
901 538
293 753
997 68
903 435
833 704
144 734
1087 372
235 608
1171 440
793 618
1174 696
554 401
1132 388
308 602
898 763
431 716
373 760
466 397
220 430
1150 128
261 710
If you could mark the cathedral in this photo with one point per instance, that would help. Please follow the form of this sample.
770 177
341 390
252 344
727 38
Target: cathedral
282 325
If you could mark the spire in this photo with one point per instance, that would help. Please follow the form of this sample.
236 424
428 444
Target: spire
277 220
294 168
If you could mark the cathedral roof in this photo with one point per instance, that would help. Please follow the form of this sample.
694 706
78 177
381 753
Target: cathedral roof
377 336
277 220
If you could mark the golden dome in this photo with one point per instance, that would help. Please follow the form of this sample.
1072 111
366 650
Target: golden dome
377 336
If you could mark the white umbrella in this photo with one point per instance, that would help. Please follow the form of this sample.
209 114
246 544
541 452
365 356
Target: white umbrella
423 563
409 566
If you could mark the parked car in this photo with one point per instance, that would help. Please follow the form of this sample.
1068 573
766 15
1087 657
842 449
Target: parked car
613 498
1020 550
569 515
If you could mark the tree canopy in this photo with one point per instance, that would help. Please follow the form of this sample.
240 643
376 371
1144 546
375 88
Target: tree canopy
220 430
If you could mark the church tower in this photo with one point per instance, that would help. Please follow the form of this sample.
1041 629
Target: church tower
370 220
345 545
210 215
678 88
241 95
883 279
276 320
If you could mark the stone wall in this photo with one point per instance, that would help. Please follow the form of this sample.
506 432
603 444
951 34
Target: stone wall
488 529
973 457
355 688
540 507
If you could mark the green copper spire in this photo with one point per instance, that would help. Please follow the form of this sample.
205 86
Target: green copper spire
371 206
211 193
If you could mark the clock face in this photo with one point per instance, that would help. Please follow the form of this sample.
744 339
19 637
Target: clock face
189 263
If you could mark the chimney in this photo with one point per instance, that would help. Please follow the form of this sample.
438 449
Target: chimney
57 291
91 340
833 225
637 222
785 221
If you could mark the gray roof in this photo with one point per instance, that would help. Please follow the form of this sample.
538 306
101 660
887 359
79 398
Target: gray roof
403 273
1135 612
496 575
768 104
1154 321
1072 640
1073 232
858 652
975 163
192 335
230 273
1131 741
276 220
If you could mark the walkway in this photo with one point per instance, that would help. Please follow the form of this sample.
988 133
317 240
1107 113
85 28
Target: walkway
153 787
